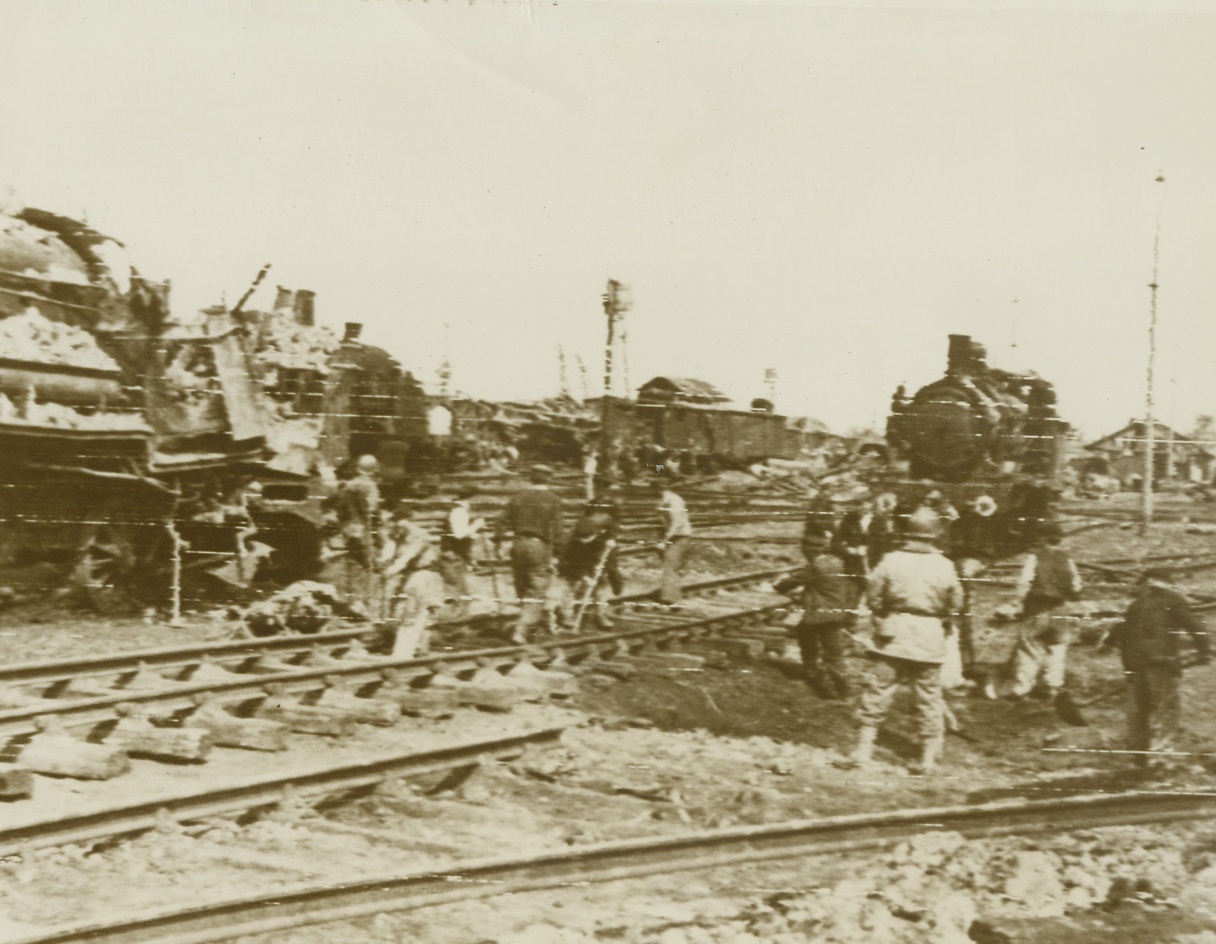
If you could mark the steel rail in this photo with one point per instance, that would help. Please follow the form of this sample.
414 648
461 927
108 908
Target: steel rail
247 651
244 691
267 791
613 861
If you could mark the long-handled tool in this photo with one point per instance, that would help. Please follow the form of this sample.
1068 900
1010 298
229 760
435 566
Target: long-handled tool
600 566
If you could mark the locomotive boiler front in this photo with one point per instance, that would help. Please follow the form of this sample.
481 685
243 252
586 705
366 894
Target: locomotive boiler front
976 421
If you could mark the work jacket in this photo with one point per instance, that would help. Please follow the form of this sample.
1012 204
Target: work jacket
1151 630
828 596
912 592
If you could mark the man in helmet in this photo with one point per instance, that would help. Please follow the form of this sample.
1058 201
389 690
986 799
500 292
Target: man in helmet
912 593
1049 580
359 509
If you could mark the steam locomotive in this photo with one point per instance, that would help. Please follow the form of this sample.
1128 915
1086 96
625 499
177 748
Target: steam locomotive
978 431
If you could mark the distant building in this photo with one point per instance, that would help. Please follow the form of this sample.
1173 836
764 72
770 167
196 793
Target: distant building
681 390
1176 458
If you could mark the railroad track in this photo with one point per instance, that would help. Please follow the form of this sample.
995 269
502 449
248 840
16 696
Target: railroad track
173 704
612 861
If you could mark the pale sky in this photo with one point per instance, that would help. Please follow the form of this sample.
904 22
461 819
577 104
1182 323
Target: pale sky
827 190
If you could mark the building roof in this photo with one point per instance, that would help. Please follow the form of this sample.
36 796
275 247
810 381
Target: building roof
682 388
1134 431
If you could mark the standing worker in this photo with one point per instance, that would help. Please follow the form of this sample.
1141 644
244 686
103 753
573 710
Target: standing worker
533 517
1149 640
973 546
460 528
413 590
590 564
677 529
913 593
852 543
359 510
1049 580
829 601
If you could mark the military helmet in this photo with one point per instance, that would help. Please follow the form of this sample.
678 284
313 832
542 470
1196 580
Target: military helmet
925 524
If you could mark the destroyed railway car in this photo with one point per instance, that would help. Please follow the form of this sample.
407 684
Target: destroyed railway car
716 438
125 438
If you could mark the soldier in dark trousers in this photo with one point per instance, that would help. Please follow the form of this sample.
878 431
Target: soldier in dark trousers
1150 640
829 600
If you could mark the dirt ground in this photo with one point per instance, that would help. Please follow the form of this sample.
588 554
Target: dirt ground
688 744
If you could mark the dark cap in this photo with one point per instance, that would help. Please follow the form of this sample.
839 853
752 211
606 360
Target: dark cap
467 491
1159 574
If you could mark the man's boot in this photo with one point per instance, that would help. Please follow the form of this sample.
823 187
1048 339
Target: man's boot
930 751
863 754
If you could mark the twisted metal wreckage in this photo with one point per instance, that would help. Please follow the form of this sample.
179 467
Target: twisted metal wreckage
129 439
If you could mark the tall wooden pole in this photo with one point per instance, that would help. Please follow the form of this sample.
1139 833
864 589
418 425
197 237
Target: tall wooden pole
613 309
1146 509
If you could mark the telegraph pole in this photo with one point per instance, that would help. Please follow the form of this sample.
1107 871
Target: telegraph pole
1146 508
615 307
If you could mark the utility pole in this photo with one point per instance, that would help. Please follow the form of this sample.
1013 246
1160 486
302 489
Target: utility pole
1146 510
615 306
445 365
770 383
563 373
582 376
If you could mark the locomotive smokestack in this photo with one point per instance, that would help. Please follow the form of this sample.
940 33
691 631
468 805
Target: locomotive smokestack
284 299
353 330
958 354
304 309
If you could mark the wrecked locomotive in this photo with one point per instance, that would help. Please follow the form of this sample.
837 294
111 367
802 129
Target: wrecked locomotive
126 438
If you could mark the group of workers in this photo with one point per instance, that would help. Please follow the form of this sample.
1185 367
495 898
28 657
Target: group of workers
389 563
585 563
891 567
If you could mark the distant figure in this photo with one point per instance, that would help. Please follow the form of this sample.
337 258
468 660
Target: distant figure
460 529
974 542
852 540
413 591
1049 580
534 519
913 594
358 507
591 464
1150 640
829 601
677 529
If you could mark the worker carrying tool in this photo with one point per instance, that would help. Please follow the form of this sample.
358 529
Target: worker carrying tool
589 564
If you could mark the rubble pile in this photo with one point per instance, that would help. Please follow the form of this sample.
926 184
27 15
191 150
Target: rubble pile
933 889
32 337
285 344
